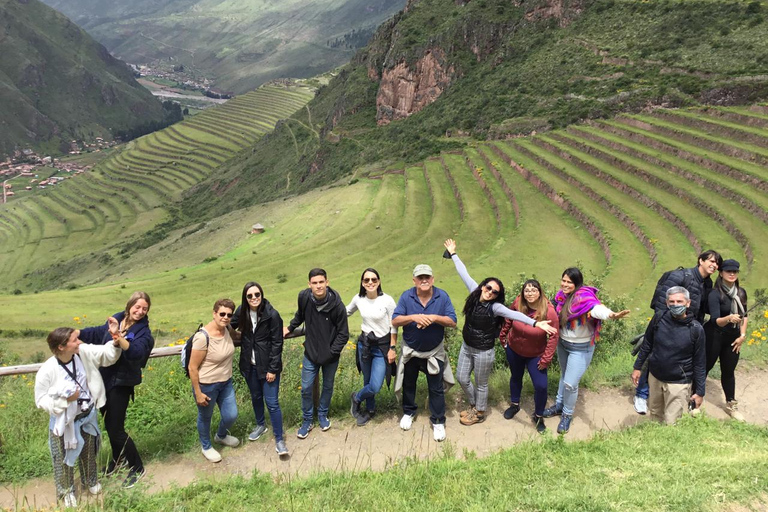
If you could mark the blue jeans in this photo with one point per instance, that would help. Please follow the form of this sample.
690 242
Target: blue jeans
374 371
643 390
517 366
309 371
222 393
574 359
263 391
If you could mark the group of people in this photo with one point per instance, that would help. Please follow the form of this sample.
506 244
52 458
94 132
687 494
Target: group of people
98 367
679 349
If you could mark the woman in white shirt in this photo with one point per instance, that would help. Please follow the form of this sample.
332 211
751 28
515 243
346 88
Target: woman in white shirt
376 346
69 387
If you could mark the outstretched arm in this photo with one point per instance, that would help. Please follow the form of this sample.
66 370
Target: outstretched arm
470 283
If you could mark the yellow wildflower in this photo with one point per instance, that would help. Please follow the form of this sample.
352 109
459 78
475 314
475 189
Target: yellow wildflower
2 406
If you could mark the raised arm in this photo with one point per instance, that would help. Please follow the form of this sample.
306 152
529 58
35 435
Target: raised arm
470 283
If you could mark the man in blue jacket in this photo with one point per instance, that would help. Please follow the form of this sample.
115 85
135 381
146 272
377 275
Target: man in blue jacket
326 333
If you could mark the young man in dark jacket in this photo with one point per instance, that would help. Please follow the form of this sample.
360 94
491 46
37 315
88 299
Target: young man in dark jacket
698 282
326 333
675 343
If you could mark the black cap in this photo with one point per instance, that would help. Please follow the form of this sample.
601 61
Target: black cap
732 265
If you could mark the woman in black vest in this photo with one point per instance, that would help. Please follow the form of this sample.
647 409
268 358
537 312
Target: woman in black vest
484 314
726 330
261 359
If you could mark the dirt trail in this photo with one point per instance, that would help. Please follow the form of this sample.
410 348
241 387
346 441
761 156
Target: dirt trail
381 443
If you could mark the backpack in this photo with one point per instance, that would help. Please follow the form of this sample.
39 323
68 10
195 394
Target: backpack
186 352
687 280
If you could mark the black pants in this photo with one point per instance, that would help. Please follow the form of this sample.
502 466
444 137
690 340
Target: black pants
719 347
114 411
434 384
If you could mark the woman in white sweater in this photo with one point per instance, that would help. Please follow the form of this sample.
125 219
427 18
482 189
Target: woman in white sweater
69 387
376 346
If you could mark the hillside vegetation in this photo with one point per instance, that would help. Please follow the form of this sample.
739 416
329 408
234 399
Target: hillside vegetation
239 44
58 84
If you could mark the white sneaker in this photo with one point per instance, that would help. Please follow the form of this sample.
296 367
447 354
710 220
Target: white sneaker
439 432
227 440
212 455
406 421
641 405
95 489
70 501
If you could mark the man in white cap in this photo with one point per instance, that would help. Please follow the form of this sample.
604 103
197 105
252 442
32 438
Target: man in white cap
424 312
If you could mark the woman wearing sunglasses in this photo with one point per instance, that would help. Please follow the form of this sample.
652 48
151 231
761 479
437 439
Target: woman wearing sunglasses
261 359
376 346
210 370
484 314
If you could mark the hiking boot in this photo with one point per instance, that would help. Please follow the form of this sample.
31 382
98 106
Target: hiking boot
438 431
732 408
539 422
257 432
641 405
511 411
95 489
324 422
466 412
133 477
281 448
473 417
363 419
565 423
227 440
555 410
212 455
354 408
406 421
304 429
69 500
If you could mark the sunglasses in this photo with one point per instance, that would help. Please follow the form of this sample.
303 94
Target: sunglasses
370 280
250 296
228 315
490 289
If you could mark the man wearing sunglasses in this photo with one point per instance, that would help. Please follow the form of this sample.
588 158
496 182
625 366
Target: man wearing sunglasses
326 333
424 312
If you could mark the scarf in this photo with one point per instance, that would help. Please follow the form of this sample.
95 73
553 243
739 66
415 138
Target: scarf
733 293
584 299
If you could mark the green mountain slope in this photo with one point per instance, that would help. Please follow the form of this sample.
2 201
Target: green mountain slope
57 83
238 43
497 69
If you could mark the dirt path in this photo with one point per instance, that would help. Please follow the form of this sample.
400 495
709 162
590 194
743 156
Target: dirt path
381 444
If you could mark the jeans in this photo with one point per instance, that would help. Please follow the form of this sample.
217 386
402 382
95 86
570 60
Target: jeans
517 366
434 385
643 390
263 391
309 371
114 412
222 393
374 371
574 359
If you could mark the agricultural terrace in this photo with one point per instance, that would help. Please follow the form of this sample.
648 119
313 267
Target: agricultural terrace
626 199
130 192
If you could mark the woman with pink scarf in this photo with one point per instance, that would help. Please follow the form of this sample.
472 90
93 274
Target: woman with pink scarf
581 315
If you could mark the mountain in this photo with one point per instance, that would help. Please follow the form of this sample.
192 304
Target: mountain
58 84
440 72
238 43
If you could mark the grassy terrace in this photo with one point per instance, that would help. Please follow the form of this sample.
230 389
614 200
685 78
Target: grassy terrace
134 188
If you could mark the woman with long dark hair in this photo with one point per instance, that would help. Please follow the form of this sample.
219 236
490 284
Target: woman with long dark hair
376 346
121 378
261 359
581 315
531 348
484 314
728 327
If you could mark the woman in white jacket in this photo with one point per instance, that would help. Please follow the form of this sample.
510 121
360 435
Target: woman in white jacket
69 387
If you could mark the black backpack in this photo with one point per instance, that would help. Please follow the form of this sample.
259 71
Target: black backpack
186 352
687 280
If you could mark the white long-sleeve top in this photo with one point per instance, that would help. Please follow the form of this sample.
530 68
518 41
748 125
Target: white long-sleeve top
50 376
582 329
376 314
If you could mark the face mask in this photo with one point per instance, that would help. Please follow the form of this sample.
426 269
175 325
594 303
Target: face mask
678 310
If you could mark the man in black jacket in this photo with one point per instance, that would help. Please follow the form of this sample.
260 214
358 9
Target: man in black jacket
675 342
326 334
